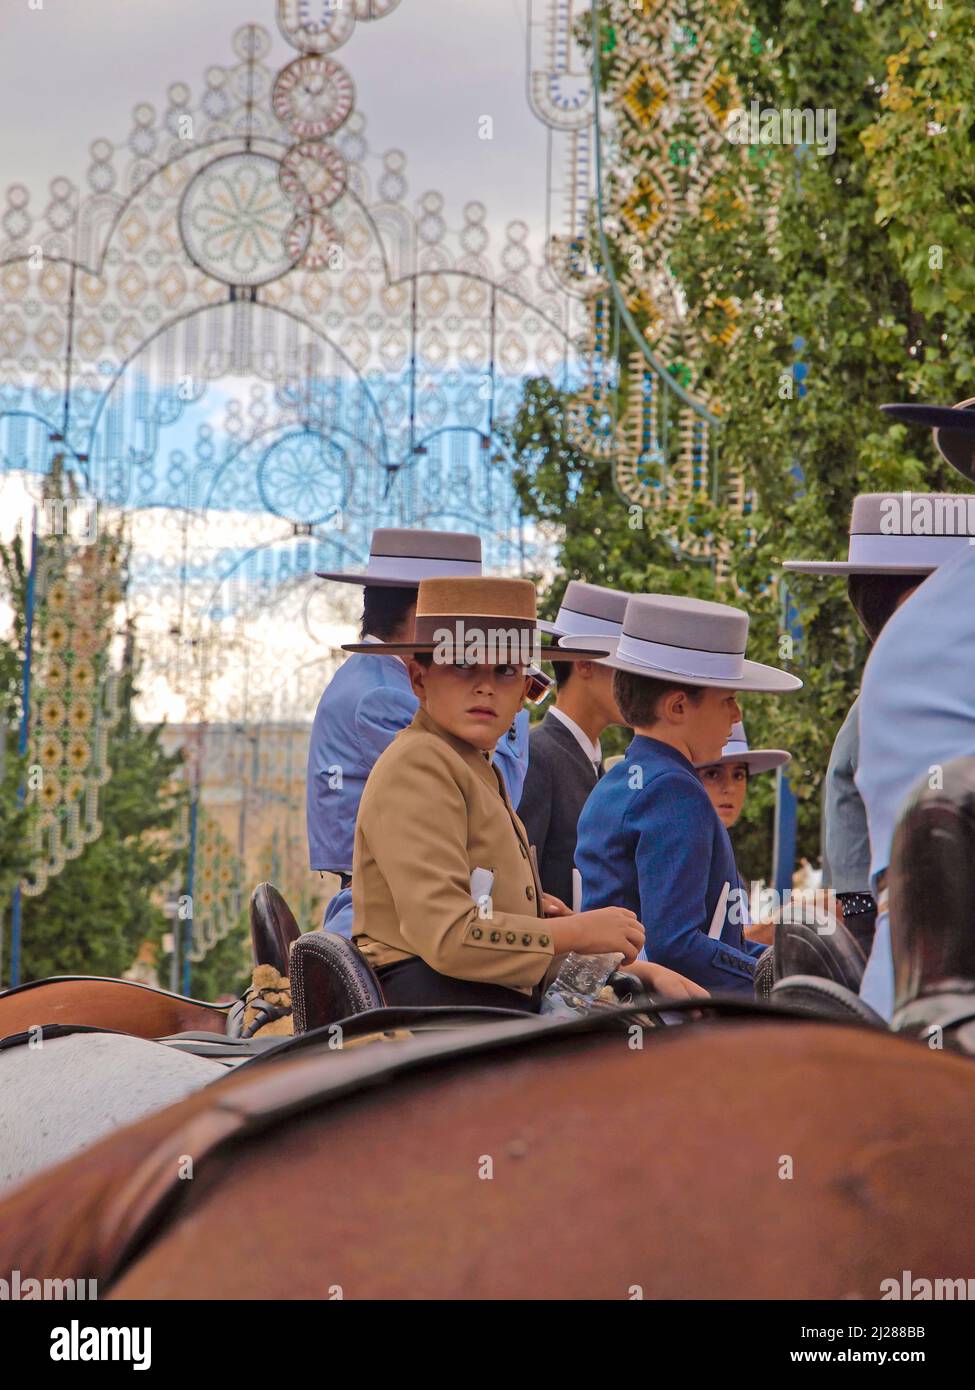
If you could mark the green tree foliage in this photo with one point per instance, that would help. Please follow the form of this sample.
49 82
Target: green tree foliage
93 916
799 244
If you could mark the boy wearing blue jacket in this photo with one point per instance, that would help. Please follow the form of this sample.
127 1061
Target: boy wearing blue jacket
649 838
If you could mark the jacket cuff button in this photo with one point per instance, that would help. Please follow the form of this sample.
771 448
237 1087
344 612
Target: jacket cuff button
543 941
526 940
476 933
495 936
510 937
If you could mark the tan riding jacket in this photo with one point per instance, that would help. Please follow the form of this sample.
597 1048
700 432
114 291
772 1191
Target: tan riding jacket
433 811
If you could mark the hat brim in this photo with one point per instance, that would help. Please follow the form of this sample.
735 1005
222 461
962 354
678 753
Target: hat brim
415 648
839 567
756 760
370 580
954 428
934 417
755 677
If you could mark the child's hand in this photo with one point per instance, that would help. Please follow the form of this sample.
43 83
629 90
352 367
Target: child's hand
604 931
554 907
660 980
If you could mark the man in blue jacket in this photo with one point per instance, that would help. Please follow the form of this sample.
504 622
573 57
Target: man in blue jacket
649 837
370 699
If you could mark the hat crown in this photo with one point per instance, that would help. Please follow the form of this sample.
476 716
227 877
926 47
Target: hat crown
476 597
692 623
594 601
913 513
396 542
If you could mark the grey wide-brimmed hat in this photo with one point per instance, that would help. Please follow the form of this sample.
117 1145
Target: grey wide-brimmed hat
736 751
586 609
483 619
400 558
900 533
691 641
953 426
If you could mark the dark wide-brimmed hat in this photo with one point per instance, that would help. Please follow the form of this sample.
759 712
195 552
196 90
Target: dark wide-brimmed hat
736 751
900 533
400 558
486 621
690 641
953 426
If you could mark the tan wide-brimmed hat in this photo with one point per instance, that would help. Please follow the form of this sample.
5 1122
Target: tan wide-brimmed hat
900 533
400 558
487 621
953 426
690 641
736 751
586 609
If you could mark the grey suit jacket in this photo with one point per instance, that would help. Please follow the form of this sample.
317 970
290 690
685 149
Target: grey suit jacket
557 786
846 843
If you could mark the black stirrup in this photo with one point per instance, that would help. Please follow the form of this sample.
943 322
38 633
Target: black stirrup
803 949
931 882
273 928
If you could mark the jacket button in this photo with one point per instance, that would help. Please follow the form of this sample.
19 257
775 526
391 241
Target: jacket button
495 936
510 937
526 940
476 933
529 892
543 941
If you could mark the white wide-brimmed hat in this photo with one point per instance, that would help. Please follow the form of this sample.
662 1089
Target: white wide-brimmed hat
400 558
953 426
900 533
736 750
587 609
690 641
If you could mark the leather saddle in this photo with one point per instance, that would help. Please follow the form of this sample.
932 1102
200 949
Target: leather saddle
931 882
330 980
273 928
804 949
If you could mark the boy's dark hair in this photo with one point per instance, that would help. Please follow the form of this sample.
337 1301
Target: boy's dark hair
383 610
639 696
563 670
875 597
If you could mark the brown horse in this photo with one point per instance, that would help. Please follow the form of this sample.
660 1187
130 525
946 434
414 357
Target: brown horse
749 1157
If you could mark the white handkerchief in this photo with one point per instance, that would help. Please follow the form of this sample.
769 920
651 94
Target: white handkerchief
482 881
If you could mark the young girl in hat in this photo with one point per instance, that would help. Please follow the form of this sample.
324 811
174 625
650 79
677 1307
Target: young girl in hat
726 783
447 905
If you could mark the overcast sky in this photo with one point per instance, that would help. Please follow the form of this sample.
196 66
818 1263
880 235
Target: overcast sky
72 71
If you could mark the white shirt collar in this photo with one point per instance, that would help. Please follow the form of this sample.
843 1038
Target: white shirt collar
593 751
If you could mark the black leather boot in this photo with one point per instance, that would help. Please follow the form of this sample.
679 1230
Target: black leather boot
931 882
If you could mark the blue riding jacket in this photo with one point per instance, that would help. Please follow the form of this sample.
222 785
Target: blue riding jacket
650 840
